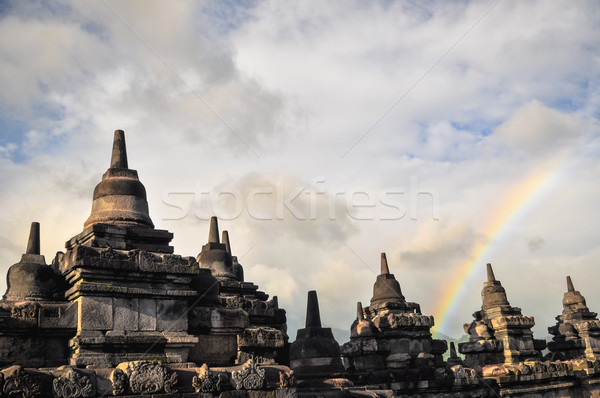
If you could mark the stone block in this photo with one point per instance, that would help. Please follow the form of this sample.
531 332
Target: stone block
426 345
400 360
369 362
439 346
415 346
95 313
125 313
56 352
171 315
215 350
147 314
62 316
229 318
199 318
399 345
369 346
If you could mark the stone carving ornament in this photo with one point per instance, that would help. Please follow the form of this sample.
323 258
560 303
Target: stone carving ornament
209 381
111 253
250 377
119 382
461 373
73 384
19 383
234 302
27 311
143 377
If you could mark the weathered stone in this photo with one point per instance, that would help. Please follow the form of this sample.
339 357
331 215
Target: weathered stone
143 377
249 377
21 383
95 313
224 318
171 315
210 381
147 314
126 313
73 383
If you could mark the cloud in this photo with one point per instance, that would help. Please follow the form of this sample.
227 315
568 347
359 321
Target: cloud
437 244
535 243
275 281
535 129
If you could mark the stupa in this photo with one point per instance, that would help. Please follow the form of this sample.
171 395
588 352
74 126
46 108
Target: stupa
499 333
315 354
390 343
577 331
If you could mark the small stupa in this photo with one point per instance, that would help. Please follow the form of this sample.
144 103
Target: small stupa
577 331
264 338
214 254
500 333
390 340
35 321
31 278
315 354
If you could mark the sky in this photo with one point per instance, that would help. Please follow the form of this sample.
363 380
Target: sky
446 134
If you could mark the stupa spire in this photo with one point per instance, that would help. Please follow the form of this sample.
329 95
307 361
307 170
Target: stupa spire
225 240
384 265
213 232
570 287
313 317
119 151
360 315
490 273
33 244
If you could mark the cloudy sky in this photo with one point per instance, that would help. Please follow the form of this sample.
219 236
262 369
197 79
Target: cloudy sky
447 134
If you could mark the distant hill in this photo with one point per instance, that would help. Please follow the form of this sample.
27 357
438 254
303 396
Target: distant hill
441 336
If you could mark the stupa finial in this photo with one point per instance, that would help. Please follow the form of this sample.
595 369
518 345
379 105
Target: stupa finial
225 240
119 152
360 315
213 233
490 273
33 244
313 317
384 265
570 286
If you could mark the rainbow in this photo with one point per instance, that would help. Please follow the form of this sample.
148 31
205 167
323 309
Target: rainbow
520 201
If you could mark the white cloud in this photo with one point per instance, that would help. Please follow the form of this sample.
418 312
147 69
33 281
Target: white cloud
537 129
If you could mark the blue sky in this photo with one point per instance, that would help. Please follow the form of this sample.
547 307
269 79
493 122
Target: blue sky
461 100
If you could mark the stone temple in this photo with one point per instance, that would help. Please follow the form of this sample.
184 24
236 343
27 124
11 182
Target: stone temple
118 313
